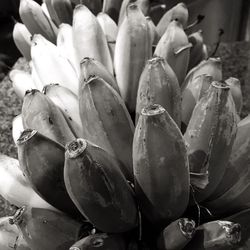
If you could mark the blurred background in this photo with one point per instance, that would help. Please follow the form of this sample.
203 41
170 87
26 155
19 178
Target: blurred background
230 15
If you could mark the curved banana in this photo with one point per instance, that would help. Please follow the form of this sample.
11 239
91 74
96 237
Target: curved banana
106 121
160 166
22 39
158 84
45 229
91 67
132 50
51 66
89 39
178 12
68 103
21 82
41 114
63 10
17 127
101 189
209 137
15 188
36 21
65 44
174 47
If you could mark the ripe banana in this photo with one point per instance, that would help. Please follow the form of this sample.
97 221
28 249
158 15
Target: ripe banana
176 235
89 39
91 67
22 39
45 229
110 30
178 12
36 21
209 137
235 89
197 51
41 114
158 84
10 237
42 162
21 82
51 66
211 67
63 9
191 94
156 168
101 240
132 50
15 188
17 127
68 103
65 44
101 189
216 235
106 121
174 47
112 8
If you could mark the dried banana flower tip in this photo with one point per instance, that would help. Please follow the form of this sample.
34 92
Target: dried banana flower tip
76 147
154 109
187 227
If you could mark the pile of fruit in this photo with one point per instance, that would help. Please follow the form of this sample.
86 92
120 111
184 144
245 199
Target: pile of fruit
129 137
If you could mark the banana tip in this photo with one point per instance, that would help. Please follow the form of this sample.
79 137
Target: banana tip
17 217
187 227
26 135
76 147
154 109
220 85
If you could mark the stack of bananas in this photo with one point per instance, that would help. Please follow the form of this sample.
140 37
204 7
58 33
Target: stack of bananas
129 137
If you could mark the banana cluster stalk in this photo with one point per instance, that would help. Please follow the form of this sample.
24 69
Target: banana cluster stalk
129 136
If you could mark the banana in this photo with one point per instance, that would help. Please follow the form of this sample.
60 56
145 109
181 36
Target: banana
45 229
51 66
174 47
95 6
143 5
110 30
176 235
89 39
22 39
36 21
35 77
106 121
158 84
21 82
211 67
65 44
101 241
231 193
41 114
112 8
15 188
10 237
153 32
197 51
91 67
192 93
216 235
17 127
235 89
101 189
52 13
68 103
209 137
42 162
178 12
63 9
132 51
160 165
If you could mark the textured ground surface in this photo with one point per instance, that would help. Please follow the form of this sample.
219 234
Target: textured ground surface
236 63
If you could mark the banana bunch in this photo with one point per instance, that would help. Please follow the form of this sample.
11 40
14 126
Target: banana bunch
129 136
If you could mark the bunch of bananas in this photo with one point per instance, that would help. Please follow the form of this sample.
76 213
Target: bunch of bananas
129 138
